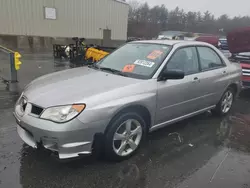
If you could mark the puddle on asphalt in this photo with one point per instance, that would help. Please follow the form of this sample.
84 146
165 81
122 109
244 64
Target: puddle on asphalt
163 160
169 157
166 159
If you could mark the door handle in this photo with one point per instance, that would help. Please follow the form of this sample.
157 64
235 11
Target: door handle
224 72
196 79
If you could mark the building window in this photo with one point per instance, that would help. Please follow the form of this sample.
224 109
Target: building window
50 13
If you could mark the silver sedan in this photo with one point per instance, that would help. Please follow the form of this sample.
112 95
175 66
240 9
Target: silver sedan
141 87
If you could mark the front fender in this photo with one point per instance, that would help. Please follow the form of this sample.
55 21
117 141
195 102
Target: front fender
107 110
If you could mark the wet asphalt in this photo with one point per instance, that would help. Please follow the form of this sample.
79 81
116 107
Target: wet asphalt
204 151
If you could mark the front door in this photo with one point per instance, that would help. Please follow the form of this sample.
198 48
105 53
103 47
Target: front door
177 98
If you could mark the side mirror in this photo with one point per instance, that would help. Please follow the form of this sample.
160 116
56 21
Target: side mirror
171 75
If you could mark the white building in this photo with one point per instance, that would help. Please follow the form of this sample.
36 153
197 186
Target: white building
96 20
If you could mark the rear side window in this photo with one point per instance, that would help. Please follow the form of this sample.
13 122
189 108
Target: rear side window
209 59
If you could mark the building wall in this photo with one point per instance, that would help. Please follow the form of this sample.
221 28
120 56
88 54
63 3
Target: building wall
75 18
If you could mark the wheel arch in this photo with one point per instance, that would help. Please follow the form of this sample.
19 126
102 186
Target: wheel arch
231 85
99 138
234 87
138 108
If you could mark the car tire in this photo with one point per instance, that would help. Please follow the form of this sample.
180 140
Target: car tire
226 102
124 136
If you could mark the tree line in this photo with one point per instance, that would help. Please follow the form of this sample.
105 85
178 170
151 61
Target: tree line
147 22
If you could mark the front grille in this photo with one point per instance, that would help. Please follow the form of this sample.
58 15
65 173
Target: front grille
245 70
36 110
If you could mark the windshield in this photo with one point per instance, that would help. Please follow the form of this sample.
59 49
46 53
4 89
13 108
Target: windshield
138 60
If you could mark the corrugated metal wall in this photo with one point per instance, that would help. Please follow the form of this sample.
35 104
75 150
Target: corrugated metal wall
82 18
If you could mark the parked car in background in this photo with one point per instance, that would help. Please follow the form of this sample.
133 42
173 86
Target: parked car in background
176 35
239 46
139 88
222 44
244 60
130 39
173 35
213 40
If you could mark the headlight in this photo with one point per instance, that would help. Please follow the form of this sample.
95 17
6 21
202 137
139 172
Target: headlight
62 114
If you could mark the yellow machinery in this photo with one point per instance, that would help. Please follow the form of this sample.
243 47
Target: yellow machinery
95 54
80 53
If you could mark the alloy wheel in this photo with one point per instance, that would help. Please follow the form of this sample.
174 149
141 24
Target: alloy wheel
127 137
227 102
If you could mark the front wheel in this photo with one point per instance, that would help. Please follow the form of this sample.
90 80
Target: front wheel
124 136
226 102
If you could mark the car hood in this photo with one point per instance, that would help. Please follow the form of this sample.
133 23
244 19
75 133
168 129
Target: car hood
73 85
239 40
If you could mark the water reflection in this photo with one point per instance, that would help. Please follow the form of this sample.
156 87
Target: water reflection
162 162
38 64
7 99
239 133
168 157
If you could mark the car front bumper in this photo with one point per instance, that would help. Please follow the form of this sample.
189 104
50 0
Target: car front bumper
70 139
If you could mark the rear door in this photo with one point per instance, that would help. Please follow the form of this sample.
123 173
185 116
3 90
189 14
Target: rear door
213 78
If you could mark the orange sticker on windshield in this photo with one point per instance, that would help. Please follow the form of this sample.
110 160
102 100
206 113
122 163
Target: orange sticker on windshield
128 68
153 55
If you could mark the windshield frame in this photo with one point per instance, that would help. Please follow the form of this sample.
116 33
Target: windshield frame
134 75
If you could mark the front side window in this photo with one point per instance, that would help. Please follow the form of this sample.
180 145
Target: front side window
138 60
185 59
209 59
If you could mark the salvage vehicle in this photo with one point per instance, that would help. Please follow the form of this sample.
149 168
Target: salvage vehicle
137 89
222 44
213 40
244 60
171 35
239 46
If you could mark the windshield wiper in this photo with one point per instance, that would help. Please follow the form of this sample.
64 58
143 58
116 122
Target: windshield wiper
114 71
94 65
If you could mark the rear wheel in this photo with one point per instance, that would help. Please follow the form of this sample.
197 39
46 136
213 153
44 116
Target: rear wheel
124 136
226 102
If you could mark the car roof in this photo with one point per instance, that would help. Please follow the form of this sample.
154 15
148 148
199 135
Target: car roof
171 42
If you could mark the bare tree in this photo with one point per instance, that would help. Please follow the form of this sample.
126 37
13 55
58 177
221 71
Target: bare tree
145 21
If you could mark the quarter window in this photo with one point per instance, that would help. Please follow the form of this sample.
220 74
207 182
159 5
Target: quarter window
209 59
185 59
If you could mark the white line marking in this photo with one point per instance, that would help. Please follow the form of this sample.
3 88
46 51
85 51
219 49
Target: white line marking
218 167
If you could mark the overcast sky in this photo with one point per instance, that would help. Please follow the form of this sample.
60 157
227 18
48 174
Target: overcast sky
217 7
